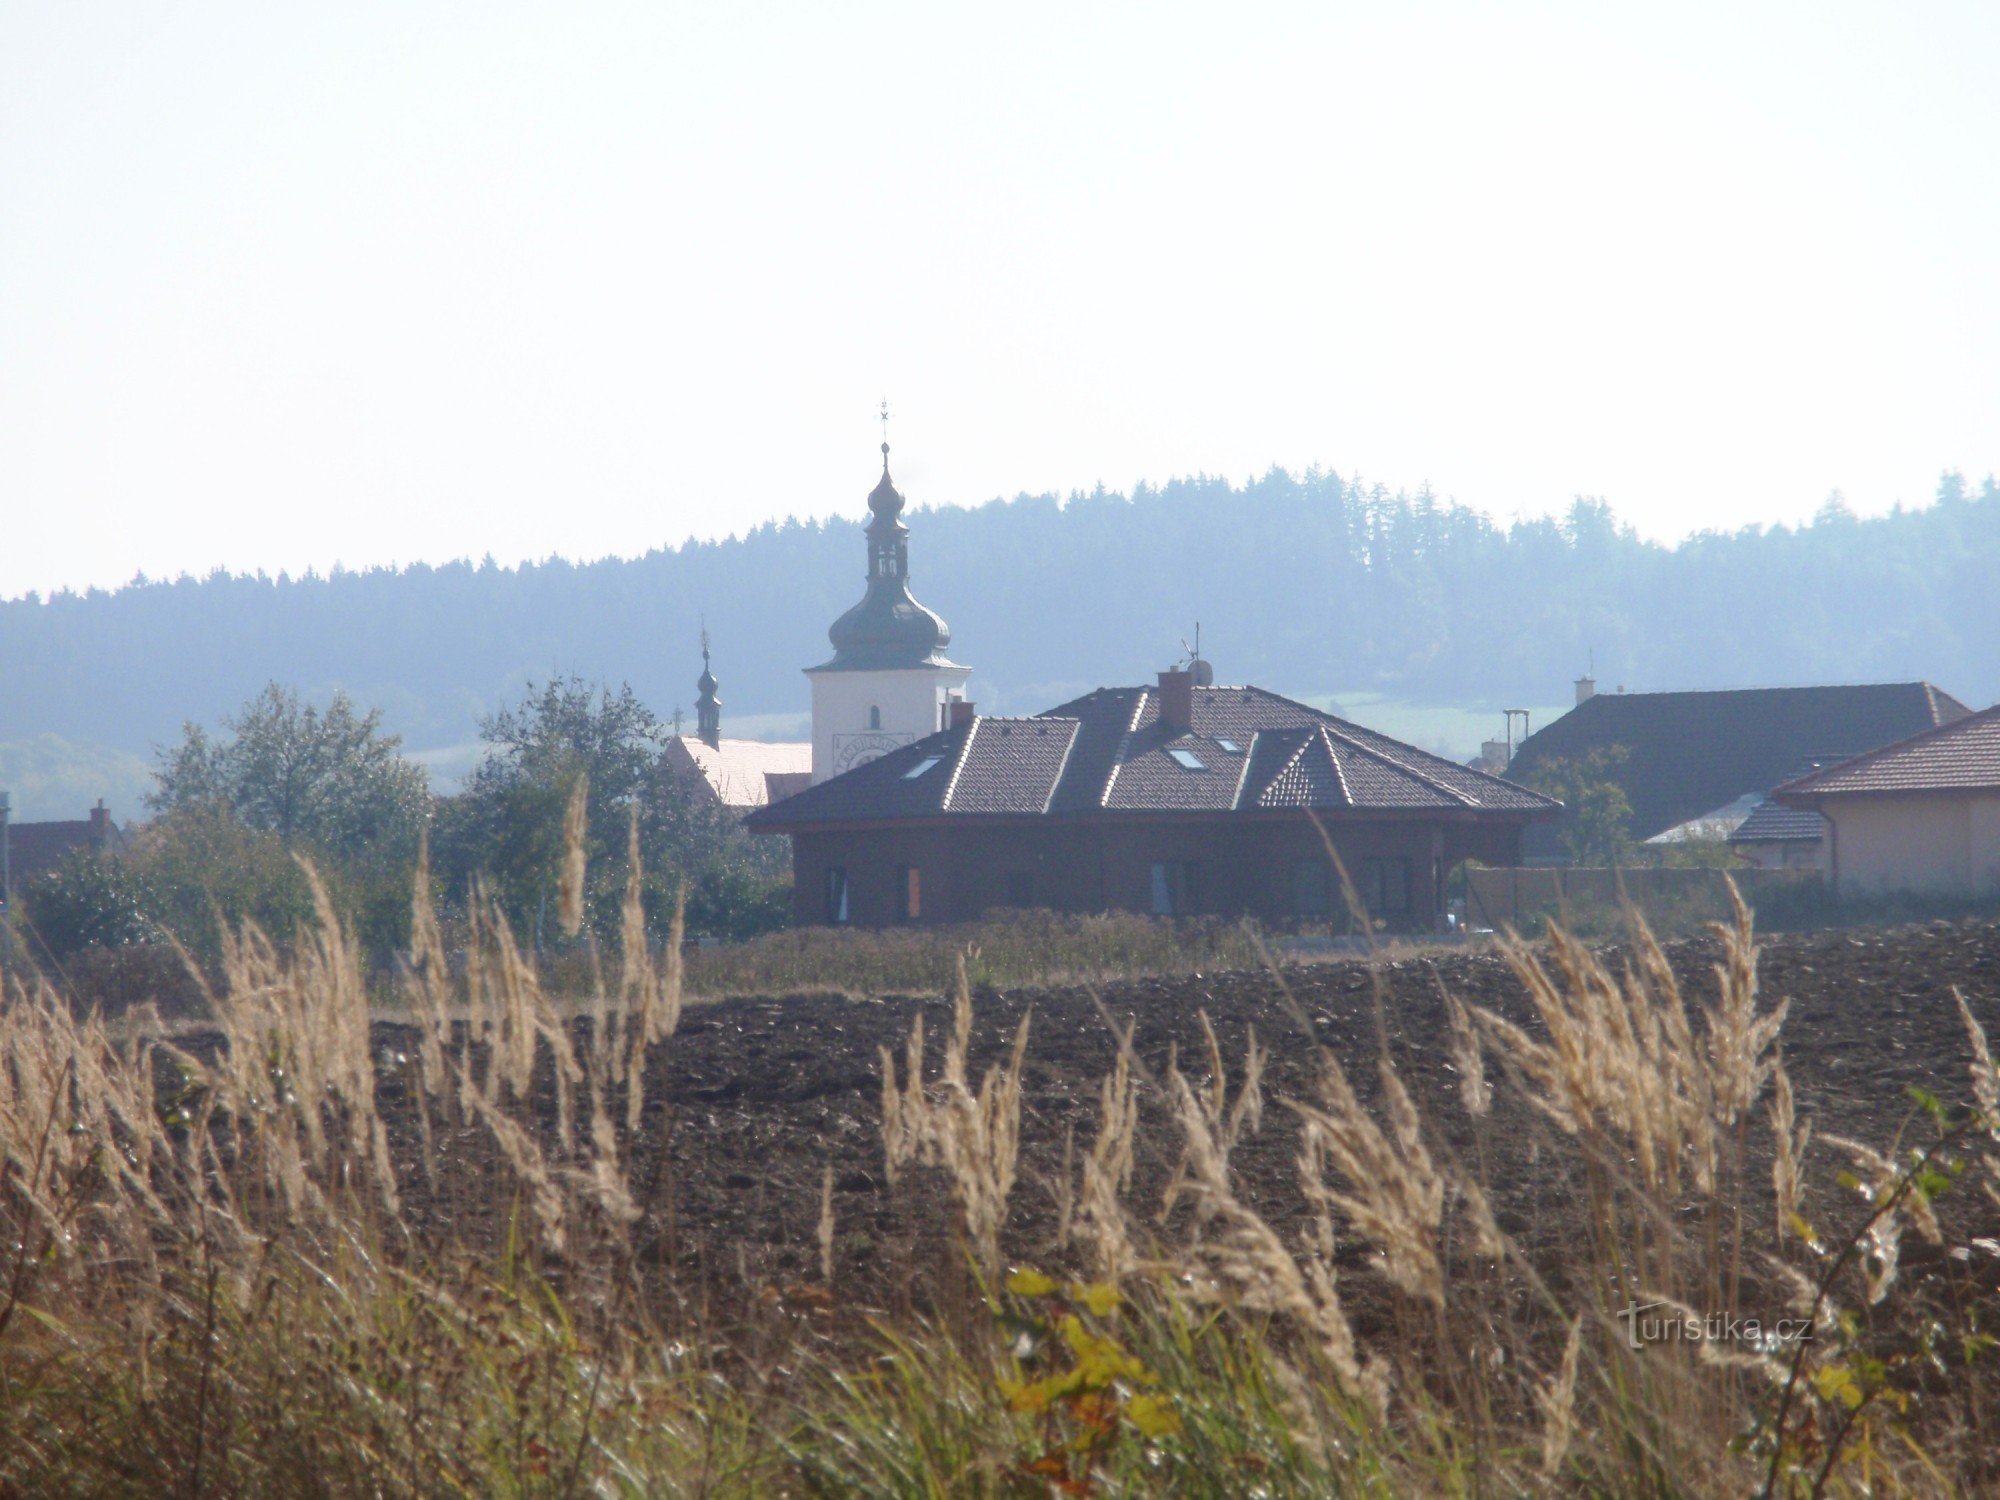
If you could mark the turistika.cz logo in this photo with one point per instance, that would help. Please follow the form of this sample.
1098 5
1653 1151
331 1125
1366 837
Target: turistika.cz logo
1667 1323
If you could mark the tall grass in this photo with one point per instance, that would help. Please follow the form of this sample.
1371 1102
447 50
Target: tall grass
301 1261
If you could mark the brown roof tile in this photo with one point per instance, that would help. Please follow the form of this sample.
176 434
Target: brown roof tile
1108 750
1961 756
1689 752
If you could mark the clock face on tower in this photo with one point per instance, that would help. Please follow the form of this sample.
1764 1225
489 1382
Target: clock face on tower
851 750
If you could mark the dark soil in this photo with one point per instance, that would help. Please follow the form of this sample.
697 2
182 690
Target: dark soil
754 1099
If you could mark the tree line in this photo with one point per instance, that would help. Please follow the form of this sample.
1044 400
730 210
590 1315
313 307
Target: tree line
246 815
1310 584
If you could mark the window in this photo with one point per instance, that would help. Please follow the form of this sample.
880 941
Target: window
1385 886
1228 747
922 766
1311 889
909 893
1187 759
1173 887
874 718
1021 889
836 895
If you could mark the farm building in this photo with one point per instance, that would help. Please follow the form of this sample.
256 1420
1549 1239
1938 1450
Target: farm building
1177 800
1685 755
33 849
1922 814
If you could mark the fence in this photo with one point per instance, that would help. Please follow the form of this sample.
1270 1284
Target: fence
1523 898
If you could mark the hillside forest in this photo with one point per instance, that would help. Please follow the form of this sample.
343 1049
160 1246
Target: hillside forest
1316 585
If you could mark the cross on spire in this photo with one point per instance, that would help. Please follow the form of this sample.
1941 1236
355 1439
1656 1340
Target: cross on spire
885 434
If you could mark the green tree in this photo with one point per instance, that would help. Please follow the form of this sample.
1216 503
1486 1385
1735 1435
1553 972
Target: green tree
1596 826
202 869
507 827
328 782
87 901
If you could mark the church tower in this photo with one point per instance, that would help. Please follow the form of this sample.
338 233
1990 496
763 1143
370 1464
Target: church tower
888 681
707 705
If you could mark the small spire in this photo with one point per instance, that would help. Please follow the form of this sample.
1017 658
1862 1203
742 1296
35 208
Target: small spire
885 437
708 706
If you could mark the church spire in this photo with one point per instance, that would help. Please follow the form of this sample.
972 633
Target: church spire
707 707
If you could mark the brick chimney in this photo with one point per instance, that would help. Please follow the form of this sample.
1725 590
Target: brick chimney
100 826
962 713
1177 700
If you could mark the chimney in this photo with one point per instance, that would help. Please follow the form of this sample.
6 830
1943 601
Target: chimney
1493 753
1586 687
100 826
962 713
1177 700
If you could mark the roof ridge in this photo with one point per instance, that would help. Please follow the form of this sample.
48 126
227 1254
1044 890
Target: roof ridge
1409 770
1062 766
1339 771
1124 739
958 767
1243 771
1803 784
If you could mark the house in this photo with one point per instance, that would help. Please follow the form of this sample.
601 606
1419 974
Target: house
738 774
1777 837
31 849
1922 814
1685 754
1178 799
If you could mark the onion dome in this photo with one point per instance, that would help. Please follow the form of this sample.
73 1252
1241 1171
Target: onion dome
708 706
888 629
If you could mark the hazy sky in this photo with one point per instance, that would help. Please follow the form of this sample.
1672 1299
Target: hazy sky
282 285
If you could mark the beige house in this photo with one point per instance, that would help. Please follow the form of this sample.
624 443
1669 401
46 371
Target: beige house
1922 814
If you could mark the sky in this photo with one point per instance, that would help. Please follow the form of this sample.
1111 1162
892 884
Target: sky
289 286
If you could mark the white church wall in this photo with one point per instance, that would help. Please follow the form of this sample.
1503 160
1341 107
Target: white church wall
860 715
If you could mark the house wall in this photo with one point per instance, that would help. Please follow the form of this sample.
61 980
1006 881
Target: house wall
1239 867
911 700
1947 842
1779 854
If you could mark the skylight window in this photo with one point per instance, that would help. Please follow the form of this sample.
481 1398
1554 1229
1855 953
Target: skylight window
921 766
1228 747
1187 759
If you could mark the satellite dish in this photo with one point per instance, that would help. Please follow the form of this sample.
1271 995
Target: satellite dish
1204 674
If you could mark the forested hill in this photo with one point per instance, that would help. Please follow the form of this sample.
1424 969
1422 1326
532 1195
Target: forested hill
1312 585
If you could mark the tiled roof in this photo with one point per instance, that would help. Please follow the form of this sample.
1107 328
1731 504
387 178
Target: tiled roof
1108 751
36 848
1775 823
1716 823
1689 752
740 770
1960 756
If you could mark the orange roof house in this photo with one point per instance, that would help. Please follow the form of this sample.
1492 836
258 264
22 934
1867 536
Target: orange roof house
1922 814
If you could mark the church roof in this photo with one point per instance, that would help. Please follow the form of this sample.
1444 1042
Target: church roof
1252 751
740 771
